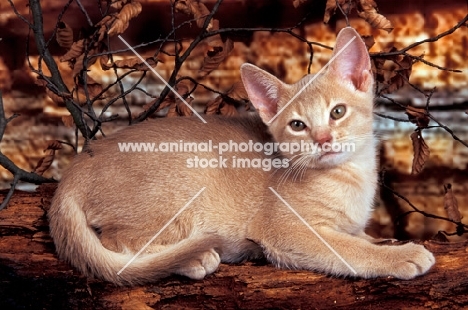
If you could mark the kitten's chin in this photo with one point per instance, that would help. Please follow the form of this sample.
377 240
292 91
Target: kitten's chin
330 159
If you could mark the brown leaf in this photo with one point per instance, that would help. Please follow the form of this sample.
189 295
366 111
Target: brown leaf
183 109
439 237
238 92
451 204
220 107
68 121
93 88
54 145
367 9
119 4
400 75
121 21
377 67
197 9
64 35
368 41
212 107
58 99
420 152
131 63
417 116
214 57
331 7
77 49
228 109
45 162
297 3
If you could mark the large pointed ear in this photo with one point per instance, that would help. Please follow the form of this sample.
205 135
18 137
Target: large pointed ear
264 90
352 62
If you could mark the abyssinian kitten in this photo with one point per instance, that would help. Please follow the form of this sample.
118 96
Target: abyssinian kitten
111 203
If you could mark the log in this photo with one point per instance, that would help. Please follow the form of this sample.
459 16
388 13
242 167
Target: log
32 277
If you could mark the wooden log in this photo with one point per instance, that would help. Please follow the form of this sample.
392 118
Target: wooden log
32 277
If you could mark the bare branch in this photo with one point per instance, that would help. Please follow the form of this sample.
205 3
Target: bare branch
433 39
56 77
18 173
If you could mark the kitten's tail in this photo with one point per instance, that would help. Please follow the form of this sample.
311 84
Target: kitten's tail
78 243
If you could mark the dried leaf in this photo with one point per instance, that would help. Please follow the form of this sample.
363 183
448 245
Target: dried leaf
183 109
121 21
44 163
238 92
93 88
214 57
131 63
297 3
440 237
417 116
68 121
420 152
331 7
399 77
451 204
368 41
212 107
54 145
119 4
77 49
58 99
64 35
78 65
228 109
367 9
197 9
220 107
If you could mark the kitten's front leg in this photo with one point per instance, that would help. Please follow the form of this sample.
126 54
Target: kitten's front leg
307 251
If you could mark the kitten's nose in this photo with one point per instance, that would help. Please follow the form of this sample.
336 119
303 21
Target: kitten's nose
323 136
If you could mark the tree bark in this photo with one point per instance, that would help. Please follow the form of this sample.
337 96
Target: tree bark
32 277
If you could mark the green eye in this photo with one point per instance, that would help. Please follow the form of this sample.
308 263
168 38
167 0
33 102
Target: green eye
338 112
297 125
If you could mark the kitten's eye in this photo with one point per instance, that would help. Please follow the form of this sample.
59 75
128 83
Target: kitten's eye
338 112
297 125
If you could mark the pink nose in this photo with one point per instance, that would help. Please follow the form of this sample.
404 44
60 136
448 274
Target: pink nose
323 137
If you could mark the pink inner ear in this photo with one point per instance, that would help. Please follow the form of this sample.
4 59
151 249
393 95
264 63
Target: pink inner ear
353 63
263 90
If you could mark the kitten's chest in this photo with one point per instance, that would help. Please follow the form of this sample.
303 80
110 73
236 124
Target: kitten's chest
342 198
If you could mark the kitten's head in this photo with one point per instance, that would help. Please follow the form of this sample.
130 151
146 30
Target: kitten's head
326 110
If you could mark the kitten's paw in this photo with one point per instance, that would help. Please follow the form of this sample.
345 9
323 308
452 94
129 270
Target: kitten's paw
202 266
411 261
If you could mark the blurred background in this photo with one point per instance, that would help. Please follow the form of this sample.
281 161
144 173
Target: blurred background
40 119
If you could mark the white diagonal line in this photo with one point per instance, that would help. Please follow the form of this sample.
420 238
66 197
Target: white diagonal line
314 231
161 230
311 80
162 79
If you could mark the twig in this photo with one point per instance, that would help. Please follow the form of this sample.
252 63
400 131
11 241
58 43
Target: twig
392 117
432 117
421 59
433 39
83 10
18 173
416 210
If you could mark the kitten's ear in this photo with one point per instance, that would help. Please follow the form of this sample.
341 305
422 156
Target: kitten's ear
353 62
263 89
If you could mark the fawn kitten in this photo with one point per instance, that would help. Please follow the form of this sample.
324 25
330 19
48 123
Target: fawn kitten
109 203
